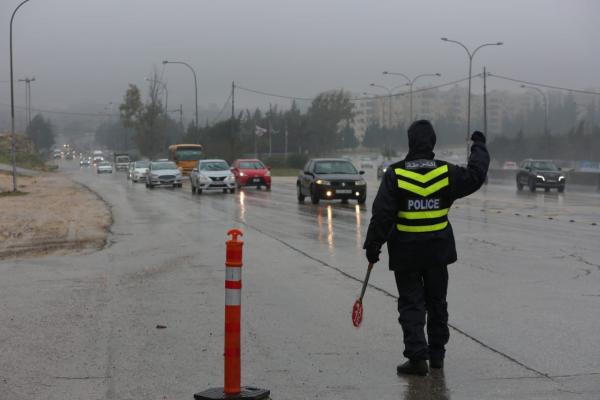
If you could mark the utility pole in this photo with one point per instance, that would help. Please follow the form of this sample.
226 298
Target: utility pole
181 115
485 124
286 138
232 129
270 130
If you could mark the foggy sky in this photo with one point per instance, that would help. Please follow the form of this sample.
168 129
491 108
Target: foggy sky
85 52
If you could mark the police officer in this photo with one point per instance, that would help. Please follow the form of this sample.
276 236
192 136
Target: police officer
410 213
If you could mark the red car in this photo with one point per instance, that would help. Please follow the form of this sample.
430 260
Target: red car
251 172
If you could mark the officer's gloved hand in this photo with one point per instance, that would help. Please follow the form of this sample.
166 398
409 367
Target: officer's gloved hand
373 254
478 137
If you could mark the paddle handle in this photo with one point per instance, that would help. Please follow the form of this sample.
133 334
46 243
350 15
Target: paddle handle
366 282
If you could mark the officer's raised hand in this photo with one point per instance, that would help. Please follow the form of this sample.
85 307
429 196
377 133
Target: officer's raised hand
373 254
478 136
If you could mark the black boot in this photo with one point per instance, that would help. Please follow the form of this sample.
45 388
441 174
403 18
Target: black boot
413 367
436 363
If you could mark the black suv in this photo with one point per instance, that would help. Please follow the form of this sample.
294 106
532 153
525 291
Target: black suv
331 178
540 173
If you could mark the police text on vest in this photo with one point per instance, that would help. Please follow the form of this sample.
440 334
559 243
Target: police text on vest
424 204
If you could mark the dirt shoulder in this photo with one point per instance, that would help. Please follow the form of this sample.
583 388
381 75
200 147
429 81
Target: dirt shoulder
54 216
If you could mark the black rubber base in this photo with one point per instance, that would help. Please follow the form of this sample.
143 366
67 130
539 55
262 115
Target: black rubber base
246 393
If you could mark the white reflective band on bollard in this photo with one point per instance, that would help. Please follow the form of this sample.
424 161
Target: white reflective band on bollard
233 274
233 297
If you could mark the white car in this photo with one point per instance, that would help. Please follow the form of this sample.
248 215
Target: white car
366 162
212 175
163 173
137 170
104 168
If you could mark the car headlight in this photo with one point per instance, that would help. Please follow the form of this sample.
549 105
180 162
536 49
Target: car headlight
541 177
230 178
384 169
322 182
360 183
204 178
268 173
242 174
561 178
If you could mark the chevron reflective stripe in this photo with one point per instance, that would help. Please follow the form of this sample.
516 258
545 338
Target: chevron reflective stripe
422 228
422 178
423 191
233 286
423 214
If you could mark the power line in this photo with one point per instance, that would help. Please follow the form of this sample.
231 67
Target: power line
222 110
80 114
281 96
543 85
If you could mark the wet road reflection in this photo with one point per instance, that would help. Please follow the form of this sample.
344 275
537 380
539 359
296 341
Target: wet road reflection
431 387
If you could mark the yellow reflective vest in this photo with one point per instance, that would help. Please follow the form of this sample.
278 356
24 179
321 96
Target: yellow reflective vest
425 202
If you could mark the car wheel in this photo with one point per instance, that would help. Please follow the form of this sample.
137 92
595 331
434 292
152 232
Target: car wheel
268 188
199 191
362 199
193 189
561 189
531 185
519 185
299 194
314 197
232 191
238 186
147 184
224 190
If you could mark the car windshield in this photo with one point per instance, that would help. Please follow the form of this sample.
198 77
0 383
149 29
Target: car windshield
213 166
544 166
163 165
251 165
335 167
142 164
189 154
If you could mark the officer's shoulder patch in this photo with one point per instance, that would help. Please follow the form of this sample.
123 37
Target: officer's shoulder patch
420 164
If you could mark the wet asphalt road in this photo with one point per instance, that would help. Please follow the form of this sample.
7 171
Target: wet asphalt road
524 300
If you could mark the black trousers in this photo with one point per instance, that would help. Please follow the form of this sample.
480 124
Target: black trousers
422 296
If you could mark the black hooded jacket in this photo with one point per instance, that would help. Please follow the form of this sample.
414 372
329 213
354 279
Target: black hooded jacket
416 250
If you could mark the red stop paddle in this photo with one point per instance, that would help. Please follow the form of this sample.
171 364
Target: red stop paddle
357 310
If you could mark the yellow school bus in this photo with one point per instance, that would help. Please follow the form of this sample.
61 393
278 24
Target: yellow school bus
185 156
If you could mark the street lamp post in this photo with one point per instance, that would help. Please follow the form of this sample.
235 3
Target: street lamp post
195 82
545 105
12 103
410 83
471 54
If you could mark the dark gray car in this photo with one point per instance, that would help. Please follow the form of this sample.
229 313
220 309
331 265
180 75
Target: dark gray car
331 178
540 173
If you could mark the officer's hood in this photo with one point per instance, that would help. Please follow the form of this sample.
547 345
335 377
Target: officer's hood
421 140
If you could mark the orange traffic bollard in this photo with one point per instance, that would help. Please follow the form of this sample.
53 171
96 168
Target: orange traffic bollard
232 354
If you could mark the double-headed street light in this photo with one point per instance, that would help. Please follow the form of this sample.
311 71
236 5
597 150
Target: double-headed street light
390 94
410 83
471 54
195 82
545 105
